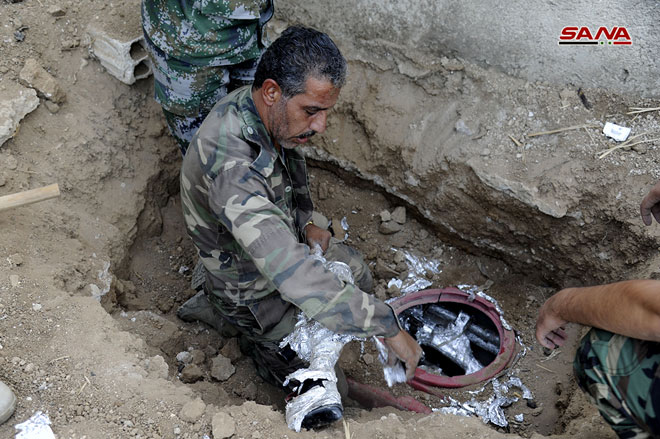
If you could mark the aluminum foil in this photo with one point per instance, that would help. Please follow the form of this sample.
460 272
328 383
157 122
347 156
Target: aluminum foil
490 410
519 417
474 290
320 347
393 374
301 405
452 342
37 427
417 269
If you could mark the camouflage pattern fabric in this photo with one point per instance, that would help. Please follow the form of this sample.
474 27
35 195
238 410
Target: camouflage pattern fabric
245 207
201 51
207 32
620 375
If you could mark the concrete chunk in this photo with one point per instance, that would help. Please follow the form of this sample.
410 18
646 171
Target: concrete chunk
16 102
33 75
123 57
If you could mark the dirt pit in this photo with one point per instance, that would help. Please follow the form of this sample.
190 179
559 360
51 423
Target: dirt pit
159 273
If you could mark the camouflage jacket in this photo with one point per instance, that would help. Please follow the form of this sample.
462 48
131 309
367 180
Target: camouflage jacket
207 32
245 207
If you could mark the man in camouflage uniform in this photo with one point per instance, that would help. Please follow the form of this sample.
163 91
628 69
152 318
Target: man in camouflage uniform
247 207
618 362
200 51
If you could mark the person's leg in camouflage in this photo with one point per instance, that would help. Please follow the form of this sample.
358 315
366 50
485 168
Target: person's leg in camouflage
620 376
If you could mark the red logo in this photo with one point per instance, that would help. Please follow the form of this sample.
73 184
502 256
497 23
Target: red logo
582 35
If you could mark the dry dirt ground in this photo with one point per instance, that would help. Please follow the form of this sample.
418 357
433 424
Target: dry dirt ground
90 282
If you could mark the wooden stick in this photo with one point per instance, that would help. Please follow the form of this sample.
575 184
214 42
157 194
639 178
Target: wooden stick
639 110
29 197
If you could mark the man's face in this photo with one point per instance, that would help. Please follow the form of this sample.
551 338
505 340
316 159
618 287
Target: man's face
296 119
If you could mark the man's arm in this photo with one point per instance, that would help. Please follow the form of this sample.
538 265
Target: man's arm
630 308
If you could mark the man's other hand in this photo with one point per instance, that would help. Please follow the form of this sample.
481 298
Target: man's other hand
651 205
317 235
406 349
550 331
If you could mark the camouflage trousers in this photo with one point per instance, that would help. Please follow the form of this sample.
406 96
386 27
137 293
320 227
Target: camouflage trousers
620 375
264 324
188 92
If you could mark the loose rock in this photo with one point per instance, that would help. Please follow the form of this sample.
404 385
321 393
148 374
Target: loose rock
33 75
222 368
389 227
231 350
191 374
222 426
399 215
193 410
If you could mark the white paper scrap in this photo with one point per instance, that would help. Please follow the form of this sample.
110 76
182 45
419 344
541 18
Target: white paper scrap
37 427
617 132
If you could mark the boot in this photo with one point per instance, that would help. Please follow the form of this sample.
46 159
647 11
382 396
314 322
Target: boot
7 402
198 308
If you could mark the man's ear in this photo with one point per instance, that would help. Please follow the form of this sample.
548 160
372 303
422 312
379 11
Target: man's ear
271 92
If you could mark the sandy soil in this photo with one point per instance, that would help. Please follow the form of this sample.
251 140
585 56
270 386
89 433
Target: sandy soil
107 366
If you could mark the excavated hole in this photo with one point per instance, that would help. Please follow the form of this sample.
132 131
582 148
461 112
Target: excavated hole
156 279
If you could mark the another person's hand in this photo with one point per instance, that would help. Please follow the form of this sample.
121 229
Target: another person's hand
651 205
317 235
406 349
550 331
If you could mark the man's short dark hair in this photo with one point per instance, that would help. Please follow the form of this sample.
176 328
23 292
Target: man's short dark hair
298 54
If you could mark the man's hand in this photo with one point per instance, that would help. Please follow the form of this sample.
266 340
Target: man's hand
651 205
406 349
317 235
550 330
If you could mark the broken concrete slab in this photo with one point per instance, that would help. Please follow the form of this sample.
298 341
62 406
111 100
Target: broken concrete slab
124 58
16 102
34 75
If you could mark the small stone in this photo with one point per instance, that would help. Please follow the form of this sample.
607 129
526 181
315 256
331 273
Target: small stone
389 227
52 106
385 216
36 307
400 257
29 368
3 180
323 192
531 404
16 259
11 163
56 11
192 411
184 357
231 349
33 75
198 356
256 435
222 369
641 148
368 359
191 374
222 426
485 152
13 278
177 431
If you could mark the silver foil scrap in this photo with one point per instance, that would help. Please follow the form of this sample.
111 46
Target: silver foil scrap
490 410
393 374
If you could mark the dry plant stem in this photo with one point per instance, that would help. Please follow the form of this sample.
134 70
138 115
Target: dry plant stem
624 144
560 130
518 144
545 368
347 431
639 110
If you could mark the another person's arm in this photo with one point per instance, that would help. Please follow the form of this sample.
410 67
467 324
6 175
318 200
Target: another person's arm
630 308
651 205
